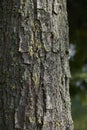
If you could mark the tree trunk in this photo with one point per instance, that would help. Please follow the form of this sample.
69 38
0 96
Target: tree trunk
34 68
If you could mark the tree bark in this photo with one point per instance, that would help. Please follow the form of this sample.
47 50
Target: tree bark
34 69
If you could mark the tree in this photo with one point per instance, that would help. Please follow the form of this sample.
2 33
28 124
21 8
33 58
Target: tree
78 63
78 37
34 67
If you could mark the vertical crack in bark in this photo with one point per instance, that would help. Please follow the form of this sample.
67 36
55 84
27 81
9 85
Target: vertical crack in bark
3 67
53 7
35 9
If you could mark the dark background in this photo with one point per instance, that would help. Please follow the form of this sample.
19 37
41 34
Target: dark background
77 16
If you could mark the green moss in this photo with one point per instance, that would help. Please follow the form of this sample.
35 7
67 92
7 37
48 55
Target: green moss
36 79
58 123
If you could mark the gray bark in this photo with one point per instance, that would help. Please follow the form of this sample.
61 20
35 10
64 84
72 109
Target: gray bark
34 68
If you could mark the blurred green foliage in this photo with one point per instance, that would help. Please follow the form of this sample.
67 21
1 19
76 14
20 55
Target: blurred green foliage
77 15
79 111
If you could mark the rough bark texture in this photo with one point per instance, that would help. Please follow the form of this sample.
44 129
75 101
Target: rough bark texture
34 68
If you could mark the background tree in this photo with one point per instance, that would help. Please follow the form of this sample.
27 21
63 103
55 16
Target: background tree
78 37
77 12
34 85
